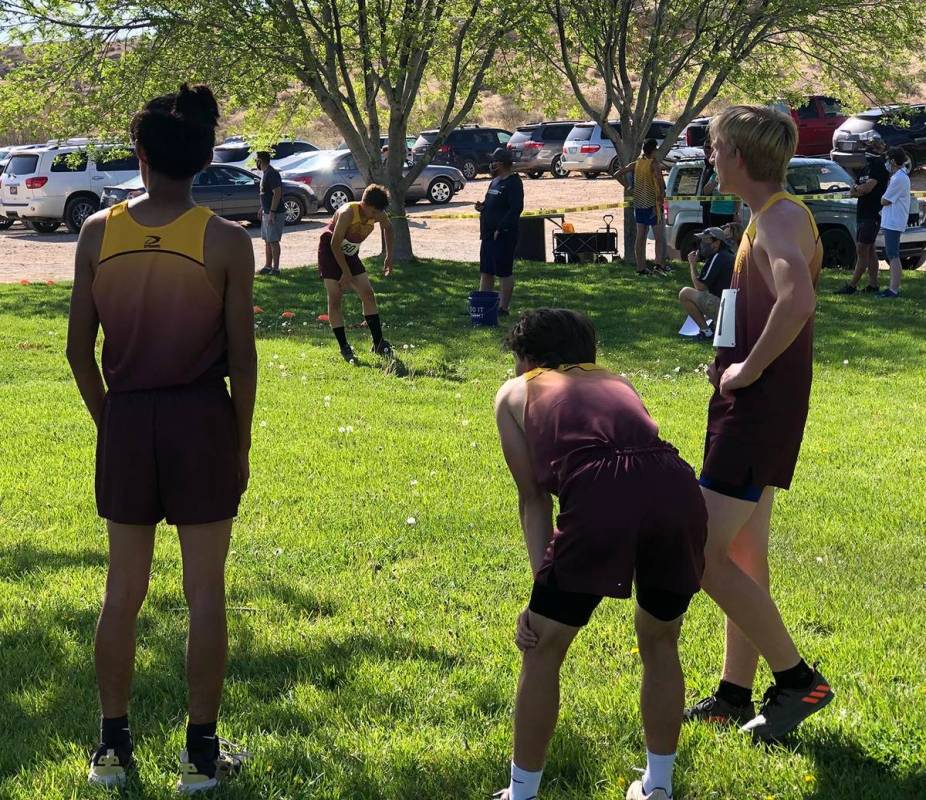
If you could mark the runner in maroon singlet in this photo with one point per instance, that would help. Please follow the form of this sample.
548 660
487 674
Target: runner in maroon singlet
761 377
630 514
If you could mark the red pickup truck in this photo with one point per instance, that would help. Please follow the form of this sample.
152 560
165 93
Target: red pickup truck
816 119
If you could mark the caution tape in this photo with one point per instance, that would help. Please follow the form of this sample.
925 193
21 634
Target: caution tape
540 212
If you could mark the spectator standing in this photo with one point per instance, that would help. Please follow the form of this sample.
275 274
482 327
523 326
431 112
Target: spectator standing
715 213
649 192
895 209
869 190
499 213
702 299
272 218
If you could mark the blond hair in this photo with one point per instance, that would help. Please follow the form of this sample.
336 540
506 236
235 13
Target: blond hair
765 138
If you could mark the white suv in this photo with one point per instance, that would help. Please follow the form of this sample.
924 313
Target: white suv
45 186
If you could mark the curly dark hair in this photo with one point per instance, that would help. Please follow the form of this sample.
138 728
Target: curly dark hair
376 196
550 337
177 131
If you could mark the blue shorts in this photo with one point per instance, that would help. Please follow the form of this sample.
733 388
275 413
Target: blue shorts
645 216
748 492
891 243
496 256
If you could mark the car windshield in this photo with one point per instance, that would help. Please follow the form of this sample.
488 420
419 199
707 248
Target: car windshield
22 165
426 139
522 135
813 178
581 133
228 155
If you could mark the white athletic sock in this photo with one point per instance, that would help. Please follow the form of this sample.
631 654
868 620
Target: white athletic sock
524 785
658 773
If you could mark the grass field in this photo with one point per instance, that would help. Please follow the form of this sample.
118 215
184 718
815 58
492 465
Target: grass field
377 564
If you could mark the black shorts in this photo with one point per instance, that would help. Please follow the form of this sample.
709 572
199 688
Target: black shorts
866 231
575 608
169 452
496 256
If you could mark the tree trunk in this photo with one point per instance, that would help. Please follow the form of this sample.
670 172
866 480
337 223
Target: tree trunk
402 248
630 234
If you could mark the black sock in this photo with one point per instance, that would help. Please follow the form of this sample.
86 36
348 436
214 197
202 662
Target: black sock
201 741
114 731
734 694
799 676
340 336
376 330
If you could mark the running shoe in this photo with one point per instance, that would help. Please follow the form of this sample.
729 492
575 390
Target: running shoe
198 776
268 271
382 348
719 711
782 710
887 294
635 792
347 353
847 289
644 272
662 269
869 289
109 765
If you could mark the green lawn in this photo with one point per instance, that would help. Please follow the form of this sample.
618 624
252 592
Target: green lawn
372 656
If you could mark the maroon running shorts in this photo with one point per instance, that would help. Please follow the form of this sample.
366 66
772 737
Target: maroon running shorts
168 453
328 266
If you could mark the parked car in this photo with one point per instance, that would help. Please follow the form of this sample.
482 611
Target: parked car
57 183
384 140
468 148
538 148
236 152
897 126
230 192
337 180
589 151
835 218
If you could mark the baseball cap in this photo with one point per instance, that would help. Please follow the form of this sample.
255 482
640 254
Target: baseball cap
714 233
502 155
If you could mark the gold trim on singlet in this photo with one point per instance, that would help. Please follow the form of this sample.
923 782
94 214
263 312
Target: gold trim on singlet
586 366
185 236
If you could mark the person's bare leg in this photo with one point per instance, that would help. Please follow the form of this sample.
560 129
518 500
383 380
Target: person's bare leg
537 703
130 551
659 231
335 294
268 255
486 282
896 274
507 288
364 290
275 254
662 692
204 548
686 298
872 264
861 264
749 551
743 600
639 247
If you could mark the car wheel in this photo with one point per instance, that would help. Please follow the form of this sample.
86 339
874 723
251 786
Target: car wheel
6 222
440 191
687 242
556 167
913 262
590 176
293 209
613 167
78 209
45 225
468 168
534 174
838 249
337 196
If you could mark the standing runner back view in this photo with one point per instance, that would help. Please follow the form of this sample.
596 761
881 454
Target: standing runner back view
170 285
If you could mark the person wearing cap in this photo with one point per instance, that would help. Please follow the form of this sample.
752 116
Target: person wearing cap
498 228
702 299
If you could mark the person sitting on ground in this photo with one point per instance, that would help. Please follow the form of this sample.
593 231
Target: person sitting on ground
340 267
630 514
702 299
171 285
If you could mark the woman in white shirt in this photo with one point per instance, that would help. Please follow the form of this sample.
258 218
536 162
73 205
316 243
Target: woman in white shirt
895 209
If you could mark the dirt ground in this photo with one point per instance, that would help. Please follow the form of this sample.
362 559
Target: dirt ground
39 257
25 254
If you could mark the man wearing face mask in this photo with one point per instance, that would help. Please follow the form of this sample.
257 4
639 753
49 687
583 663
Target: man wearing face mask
895 212
498 228
702 300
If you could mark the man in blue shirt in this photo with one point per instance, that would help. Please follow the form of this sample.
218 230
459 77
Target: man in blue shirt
498 228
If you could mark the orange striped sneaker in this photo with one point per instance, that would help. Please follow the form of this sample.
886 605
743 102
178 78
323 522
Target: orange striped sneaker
782 710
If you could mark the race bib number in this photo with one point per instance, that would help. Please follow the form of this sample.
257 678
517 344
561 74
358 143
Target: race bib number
725 331
350 248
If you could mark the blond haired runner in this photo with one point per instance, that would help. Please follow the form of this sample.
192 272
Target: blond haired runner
761 377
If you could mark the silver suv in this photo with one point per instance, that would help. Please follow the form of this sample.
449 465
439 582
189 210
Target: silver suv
835 218
589 151
538 148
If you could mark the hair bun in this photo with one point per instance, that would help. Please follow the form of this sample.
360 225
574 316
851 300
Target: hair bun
197 105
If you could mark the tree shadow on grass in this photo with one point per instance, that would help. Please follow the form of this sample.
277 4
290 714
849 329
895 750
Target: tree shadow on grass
22 558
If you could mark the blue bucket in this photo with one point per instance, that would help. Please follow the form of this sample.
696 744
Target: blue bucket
483 308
